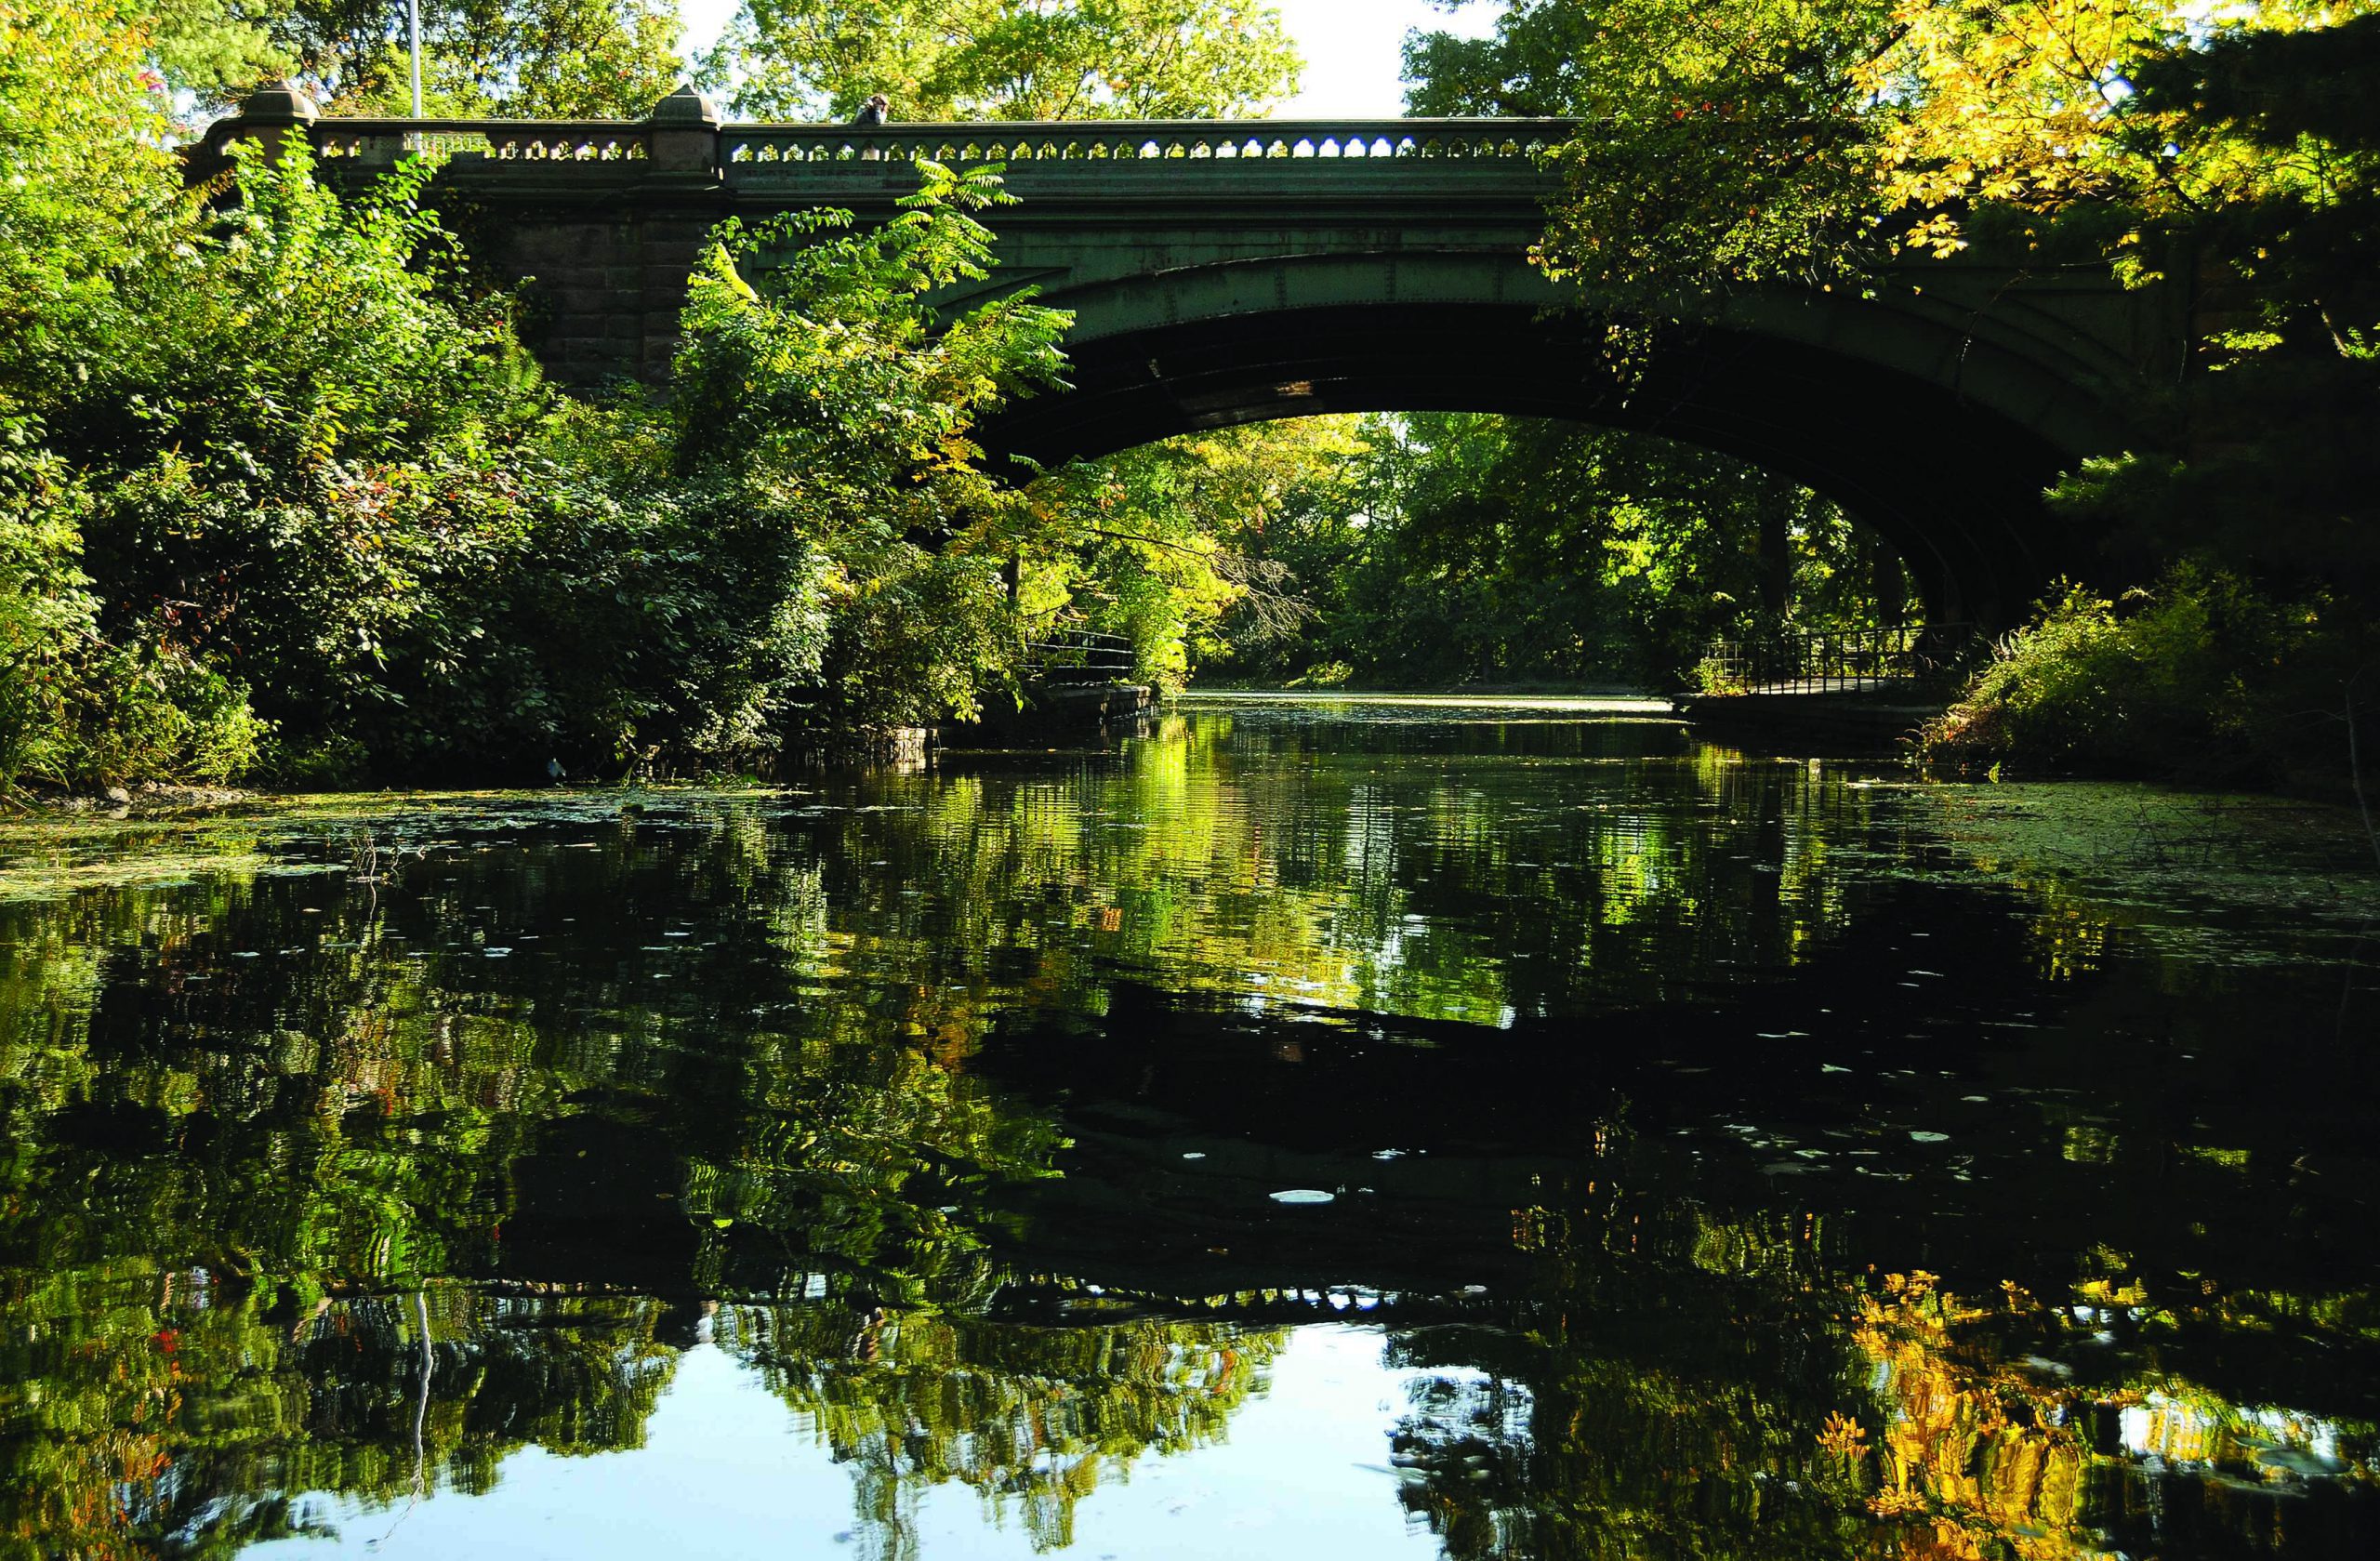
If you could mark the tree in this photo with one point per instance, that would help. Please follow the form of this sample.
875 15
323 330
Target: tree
827 397
2242 160
276 462
88 195
1175 545
1771 143
214 49
1469 548
521 58
91 209
2038 111
1723 147
1007 59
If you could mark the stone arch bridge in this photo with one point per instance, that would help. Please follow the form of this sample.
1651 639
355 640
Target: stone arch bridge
1223 273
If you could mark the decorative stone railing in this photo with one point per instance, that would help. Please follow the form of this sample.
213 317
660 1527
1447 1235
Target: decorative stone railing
1142 140
386 140
684 133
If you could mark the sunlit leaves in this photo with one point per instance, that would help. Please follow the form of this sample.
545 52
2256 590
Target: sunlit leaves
1183 547
1720 149
1493 549
1008 59
820 392
2015 105
520 58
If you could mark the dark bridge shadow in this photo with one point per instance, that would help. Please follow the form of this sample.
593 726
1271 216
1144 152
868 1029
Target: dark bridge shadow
1955 487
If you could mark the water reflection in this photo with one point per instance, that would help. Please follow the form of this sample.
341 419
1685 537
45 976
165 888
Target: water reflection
1729 1156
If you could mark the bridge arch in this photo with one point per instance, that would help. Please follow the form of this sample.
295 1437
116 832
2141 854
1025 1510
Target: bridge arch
1939 435
1223 273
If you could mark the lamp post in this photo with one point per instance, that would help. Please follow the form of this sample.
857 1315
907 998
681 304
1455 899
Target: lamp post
413 27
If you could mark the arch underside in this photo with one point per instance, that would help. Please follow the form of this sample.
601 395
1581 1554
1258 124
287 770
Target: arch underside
1956 488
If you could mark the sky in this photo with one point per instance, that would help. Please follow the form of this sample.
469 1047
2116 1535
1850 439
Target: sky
1351 47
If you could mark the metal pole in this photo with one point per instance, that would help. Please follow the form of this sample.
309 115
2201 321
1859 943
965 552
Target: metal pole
413 26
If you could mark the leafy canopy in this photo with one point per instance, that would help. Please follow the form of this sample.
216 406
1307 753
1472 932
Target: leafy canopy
524 58
1755 141
939 59
1723 143
820 391
1458 546
1173 545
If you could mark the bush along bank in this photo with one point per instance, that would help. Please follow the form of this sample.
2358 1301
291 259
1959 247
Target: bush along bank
2204 678
283 501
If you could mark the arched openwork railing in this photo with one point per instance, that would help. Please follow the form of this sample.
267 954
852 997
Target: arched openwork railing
759 148
1144 141
385 140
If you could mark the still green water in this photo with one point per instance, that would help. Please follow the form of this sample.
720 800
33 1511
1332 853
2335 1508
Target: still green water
1317 1129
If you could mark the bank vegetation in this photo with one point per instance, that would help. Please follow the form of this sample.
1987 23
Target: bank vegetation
283 499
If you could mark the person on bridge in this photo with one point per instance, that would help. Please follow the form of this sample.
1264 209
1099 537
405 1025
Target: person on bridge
875 111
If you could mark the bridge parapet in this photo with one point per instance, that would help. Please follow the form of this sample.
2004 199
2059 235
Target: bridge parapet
1143 142
385 141
684 131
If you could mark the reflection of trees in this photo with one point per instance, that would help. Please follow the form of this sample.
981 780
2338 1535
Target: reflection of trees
1537 869
1534 869
1653 1395
1680 1381
1031 1418
1981 1446
186 1416
172 1412
307 1180
858 1172
257 1128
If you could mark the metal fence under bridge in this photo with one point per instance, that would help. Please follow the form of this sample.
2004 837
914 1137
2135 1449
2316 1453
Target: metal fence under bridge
1908 658
1078 659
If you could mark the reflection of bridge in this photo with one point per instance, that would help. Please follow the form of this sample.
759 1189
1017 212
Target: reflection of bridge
1225 272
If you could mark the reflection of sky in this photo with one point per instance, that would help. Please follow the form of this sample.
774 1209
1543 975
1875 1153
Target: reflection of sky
1304 1474
2189 1432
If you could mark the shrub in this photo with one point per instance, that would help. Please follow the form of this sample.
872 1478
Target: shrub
156 713
2204 676
74 710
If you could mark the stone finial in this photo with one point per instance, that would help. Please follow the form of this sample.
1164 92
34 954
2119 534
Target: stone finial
688 108
282 103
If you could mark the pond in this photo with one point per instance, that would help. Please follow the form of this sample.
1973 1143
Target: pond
1319 1128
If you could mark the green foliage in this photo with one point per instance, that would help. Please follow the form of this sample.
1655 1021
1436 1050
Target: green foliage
1007 59
2206 676
521 58
1484 549
295 444
2270 468
1714 674
158 711
1722 144
1772 142
282 493
839 338
75 708
213 49
45 613
1175 545
2252 146
88 206
828 401
88 196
